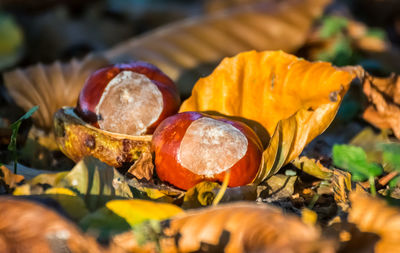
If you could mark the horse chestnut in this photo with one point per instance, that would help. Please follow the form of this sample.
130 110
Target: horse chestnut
130 98
191 147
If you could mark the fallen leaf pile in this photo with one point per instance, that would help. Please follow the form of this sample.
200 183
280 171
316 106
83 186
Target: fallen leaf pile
240 227
309 80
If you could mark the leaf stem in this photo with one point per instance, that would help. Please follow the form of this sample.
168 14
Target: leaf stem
12 146
222 190
372 185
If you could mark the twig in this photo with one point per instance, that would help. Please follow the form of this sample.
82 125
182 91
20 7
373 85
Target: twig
385 179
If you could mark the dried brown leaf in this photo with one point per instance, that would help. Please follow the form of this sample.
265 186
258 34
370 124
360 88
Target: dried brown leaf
157 192
8 180
342 186
376 216
143 168
29 227
50 86
191 44
383 95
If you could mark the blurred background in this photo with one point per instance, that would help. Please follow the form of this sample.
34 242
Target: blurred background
49 30
49 47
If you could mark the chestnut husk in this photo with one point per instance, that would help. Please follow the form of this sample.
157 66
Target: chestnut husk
77 139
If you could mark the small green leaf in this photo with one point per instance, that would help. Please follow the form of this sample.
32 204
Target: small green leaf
332 25
15 127
354 159
28 114
391 154
136 211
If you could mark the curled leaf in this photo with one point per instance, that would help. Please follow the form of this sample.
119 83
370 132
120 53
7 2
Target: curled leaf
143 167
50 86
157 192
383 95
294 100
342 186
376 216
189 46
29 227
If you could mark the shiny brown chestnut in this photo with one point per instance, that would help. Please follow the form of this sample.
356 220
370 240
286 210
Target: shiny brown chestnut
191 147
131 98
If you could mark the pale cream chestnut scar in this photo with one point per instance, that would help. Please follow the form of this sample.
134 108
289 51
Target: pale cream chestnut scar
210 147
130 102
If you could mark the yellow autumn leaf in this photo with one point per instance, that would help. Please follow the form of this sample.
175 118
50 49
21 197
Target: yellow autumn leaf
309 216
62 191
135 211
294 100
22 190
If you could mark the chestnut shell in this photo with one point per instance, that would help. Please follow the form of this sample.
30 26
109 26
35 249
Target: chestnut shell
78 139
